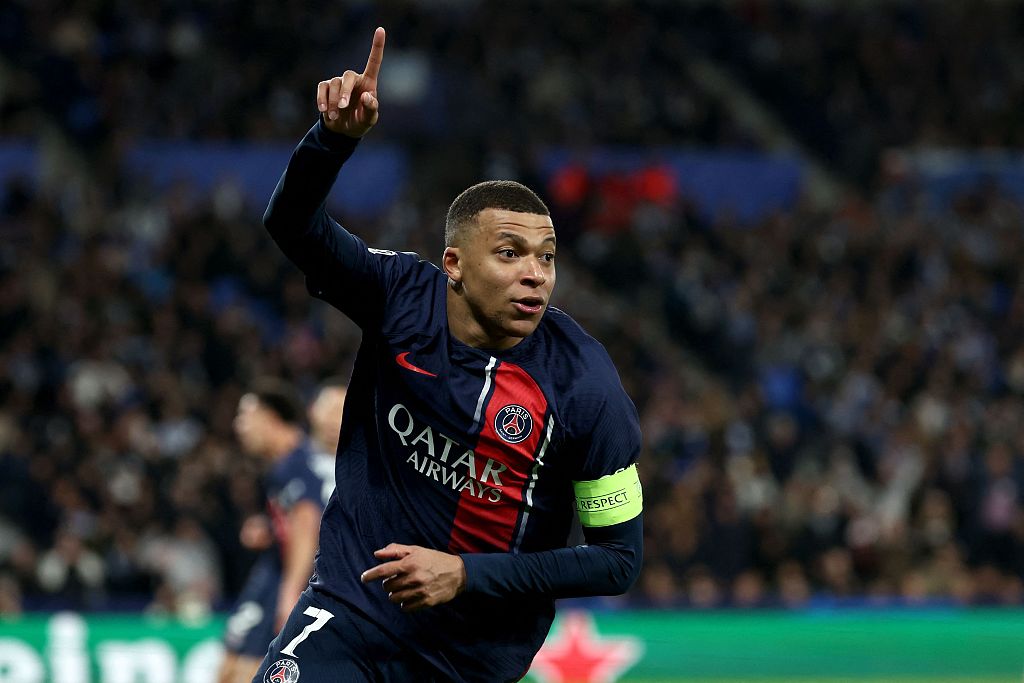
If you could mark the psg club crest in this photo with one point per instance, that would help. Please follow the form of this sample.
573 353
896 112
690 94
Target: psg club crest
513 423
282 671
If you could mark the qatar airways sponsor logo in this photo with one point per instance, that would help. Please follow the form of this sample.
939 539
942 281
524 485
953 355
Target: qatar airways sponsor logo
444 460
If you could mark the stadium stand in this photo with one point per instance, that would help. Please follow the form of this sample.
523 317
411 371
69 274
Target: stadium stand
831 396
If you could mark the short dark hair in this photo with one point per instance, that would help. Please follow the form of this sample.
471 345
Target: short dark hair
490 194
280 398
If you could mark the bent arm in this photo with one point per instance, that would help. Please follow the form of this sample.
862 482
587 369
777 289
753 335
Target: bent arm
296 217
334 261
608 565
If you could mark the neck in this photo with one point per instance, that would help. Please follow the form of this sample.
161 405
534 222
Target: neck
284 442
467 328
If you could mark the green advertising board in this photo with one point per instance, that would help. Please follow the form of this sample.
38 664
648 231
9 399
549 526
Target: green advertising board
657 647
72 648
980 646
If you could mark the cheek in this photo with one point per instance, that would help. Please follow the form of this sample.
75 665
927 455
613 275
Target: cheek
247 432
488 281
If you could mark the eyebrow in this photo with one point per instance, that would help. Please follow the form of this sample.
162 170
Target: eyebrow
519 241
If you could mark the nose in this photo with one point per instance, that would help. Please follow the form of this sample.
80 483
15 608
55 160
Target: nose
533 273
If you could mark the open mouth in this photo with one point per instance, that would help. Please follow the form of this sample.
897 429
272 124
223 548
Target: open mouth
530 305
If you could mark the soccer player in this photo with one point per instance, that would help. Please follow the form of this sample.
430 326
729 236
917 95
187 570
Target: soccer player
269 425
324 425
478 419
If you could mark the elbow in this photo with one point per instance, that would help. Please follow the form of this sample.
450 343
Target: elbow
625 570
270 218
278 224
634 571
624 544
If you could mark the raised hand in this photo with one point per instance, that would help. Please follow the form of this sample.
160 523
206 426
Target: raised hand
349 102
416 577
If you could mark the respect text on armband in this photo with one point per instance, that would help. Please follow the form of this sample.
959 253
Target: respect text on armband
442 459
611 499
607 501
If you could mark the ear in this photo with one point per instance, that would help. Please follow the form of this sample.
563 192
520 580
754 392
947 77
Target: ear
452 265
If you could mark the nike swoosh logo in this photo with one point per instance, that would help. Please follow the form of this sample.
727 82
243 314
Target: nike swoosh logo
400 359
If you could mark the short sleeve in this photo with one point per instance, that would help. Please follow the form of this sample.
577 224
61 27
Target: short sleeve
301 484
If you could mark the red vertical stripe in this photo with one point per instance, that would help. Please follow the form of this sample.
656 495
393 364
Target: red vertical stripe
279 525
481 524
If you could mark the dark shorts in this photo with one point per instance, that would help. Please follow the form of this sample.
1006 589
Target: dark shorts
250 628
328 642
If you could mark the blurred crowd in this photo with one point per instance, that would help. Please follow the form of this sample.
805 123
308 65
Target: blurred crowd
247 70
853 79
849 80
863 433
832 400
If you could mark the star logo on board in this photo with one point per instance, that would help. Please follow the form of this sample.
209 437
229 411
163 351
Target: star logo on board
577 653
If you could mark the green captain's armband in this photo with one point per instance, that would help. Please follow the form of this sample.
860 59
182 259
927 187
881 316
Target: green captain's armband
612 499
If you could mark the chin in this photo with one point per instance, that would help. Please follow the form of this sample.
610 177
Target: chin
522 328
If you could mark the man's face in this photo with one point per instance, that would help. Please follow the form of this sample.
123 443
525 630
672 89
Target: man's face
506 271
325 417
251 424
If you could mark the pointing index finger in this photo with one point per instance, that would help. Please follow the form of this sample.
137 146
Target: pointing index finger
376 55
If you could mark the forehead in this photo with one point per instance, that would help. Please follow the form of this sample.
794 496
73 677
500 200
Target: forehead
248 403
493 222
329 397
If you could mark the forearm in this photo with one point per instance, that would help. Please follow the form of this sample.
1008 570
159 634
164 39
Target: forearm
607 565
303 528
297 572
296 217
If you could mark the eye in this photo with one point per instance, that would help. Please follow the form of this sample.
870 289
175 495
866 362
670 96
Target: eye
549 256
508 253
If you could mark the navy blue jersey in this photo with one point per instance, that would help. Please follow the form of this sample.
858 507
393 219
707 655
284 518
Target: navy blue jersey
294 478
448 446
251 625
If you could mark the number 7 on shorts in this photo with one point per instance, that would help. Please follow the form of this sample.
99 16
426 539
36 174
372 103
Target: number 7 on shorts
320 617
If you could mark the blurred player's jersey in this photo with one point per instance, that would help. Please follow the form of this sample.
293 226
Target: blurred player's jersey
294 478
463 450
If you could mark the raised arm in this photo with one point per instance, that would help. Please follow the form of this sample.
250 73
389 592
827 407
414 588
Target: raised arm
337 265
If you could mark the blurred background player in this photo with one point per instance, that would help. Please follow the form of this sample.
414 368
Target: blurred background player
324 430
269 425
